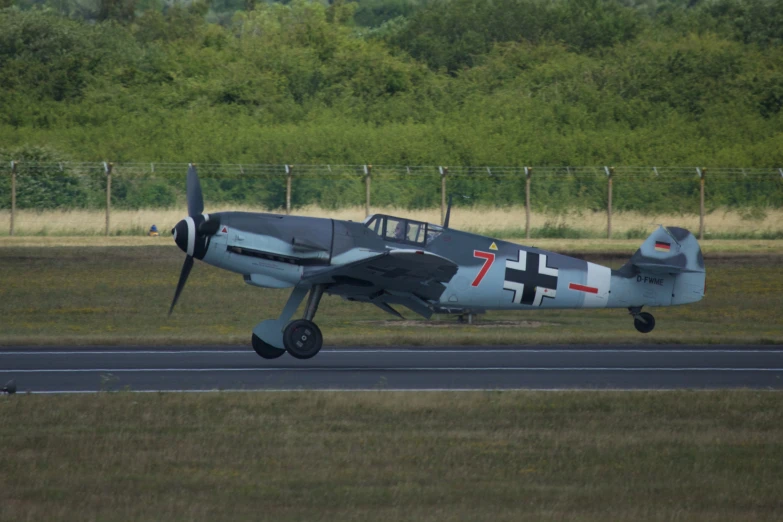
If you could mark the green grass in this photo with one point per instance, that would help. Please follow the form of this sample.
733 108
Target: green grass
766 234
563 231
499 456
121 295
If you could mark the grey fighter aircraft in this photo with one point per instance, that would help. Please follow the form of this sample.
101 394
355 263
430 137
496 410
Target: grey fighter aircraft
392 261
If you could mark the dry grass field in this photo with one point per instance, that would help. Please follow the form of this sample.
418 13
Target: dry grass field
472 456
506 222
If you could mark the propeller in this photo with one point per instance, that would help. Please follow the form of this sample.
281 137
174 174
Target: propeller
195 199
191 233
183 277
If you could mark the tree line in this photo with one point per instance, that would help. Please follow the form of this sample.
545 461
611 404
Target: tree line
411 82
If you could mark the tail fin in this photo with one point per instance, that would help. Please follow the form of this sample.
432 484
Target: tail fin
669 250
676 252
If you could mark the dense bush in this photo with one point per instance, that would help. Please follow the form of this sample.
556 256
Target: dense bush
395 82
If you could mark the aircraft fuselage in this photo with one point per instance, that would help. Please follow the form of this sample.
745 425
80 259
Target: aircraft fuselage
277 251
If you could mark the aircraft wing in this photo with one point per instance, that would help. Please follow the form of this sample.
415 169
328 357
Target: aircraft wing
412 278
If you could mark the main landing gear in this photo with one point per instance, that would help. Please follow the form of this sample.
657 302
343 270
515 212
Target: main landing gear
644 322
301 338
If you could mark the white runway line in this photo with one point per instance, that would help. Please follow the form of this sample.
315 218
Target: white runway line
396 390
383 369
134 352
411 351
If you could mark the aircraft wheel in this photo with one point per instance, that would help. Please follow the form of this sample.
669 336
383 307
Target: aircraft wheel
265 350
302 338
644 322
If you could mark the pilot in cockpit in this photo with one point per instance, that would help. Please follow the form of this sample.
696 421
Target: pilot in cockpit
399 231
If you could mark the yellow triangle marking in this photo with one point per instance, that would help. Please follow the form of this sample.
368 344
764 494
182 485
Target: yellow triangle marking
493 246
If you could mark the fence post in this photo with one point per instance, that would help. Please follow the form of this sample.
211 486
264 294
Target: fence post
609 173
288 171
701 173
107 168
528 172
13 195
444 171
367 175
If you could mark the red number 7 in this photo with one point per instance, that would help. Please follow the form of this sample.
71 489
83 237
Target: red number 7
488 258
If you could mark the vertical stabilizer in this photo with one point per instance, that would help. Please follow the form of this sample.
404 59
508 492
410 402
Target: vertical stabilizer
669 250
668 269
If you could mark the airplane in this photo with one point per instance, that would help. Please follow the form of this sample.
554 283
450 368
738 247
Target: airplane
393 261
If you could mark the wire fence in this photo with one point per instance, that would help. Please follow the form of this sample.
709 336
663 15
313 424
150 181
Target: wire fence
82 186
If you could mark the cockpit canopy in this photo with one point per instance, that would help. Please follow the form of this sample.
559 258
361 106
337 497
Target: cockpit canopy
400 230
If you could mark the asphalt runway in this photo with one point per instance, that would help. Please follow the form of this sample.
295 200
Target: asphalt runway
92 369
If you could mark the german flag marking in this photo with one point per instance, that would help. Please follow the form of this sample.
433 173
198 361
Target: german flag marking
660 246
583 288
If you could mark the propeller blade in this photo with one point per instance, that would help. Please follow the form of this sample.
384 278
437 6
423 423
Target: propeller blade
183 277
195 198
209 228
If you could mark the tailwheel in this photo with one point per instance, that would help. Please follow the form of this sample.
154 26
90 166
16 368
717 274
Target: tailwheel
302 339
644 322
267 351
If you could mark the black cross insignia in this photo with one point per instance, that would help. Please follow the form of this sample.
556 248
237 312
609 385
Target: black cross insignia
530 278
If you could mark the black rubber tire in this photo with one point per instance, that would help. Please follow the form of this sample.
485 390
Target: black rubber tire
644 322
265 350
302 339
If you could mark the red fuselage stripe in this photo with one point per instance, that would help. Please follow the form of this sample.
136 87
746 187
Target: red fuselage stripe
583 288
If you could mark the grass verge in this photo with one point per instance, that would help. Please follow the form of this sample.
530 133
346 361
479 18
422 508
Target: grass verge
113 295
500 456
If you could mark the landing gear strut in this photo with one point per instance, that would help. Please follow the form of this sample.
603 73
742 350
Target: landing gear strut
644 322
